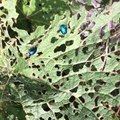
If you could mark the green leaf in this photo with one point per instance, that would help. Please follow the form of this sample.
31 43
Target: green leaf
71 76
11 10
33 13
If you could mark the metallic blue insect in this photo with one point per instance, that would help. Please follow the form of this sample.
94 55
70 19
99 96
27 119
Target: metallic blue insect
32 51
63 29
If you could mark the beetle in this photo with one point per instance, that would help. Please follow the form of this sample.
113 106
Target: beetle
63 29
32 51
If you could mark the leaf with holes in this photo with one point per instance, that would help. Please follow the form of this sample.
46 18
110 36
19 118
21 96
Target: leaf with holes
70 76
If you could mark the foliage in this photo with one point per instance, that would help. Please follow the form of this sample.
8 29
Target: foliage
75 76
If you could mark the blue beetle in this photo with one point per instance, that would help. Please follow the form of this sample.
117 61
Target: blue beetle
63 29
32 51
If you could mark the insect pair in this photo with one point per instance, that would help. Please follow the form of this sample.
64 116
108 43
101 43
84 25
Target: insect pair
63 30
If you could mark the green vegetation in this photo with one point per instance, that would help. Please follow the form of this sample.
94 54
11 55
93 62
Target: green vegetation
71 76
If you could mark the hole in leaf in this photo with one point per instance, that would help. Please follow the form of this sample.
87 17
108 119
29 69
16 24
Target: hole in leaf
64 107
65 72
39 70
98 115
112 32
77 67
42 62
89 82
56 66
78 16
86 116
96 101
39 54
41 118
74 110
101 82
102 58
6 39
86 89
39 93
28 3
40 4
12 33
118 59
25 91
34 91
106 105
117 84
3 44
19 52
44 91
29 114
54 39
72 98
45 107
4 16
61 48
33 74
68 43
107 73
70 61
115 109
80 76
56 86
66 117
82 36
67 105
96 88
93 68
95 109
117 53
49 118
75 104
61 35
9 51
113 48
13 61
50 80
51 101
115 92
84 50
18 42
74 90
88 64
21 40
91 57
65 56
61 108
76 52
58 115
44 76
91 94
2 33
102 118
82 99
82 83
58 73
61 84
1 8
77 113
109 56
